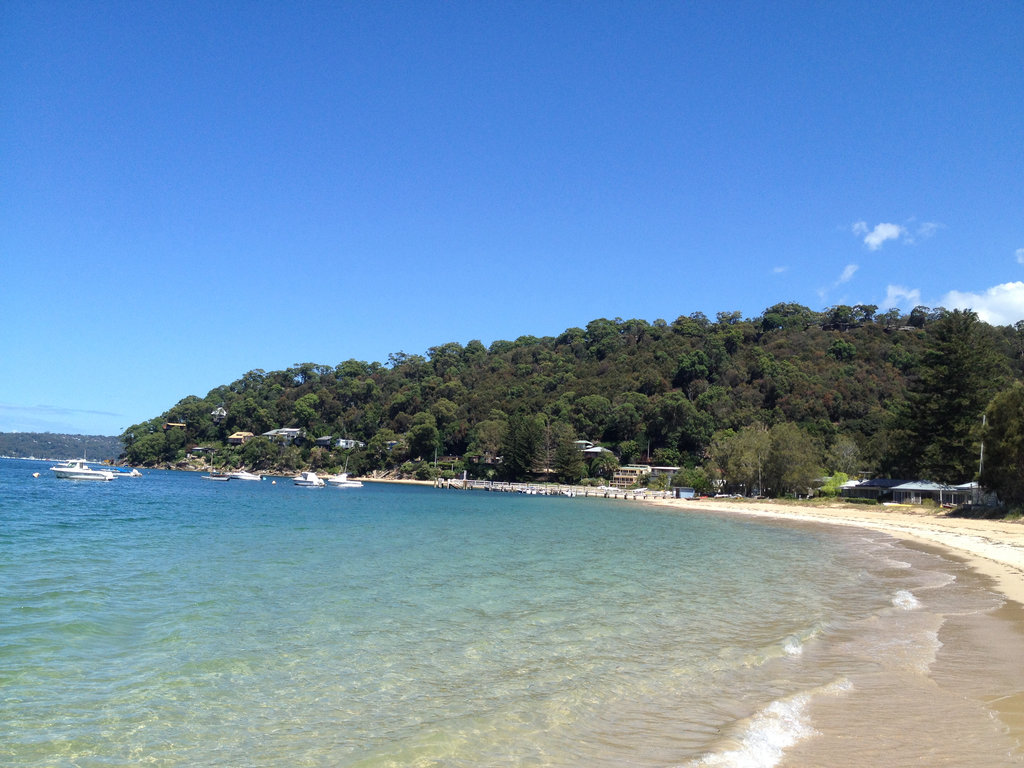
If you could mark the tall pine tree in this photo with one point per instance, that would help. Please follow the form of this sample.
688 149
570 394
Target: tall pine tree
960 372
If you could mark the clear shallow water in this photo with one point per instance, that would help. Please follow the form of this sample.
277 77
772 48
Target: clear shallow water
172 621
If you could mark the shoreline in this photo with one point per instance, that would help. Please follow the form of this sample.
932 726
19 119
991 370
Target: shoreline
994 548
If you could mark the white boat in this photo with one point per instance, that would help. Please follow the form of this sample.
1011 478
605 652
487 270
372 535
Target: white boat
308 479
342 481
129 473
243 475
77 469
219 476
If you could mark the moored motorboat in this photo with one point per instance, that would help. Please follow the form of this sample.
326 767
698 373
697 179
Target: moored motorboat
244 475
77 469
308 479
220 476
342 481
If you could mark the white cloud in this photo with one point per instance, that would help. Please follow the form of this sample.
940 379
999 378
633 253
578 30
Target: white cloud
849 272
898 297
780 270
1020 255
882 232
1000 305
907 233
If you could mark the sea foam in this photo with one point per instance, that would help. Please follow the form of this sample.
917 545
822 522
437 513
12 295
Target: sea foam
905 599
772 731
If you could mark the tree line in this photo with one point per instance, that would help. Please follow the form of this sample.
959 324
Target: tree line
793 393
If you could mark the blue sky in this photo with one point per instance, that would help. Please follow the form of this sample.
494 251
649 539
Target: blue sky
192 190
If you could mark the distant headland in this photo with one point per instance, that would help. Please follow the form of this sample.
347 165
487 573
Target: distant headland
47 445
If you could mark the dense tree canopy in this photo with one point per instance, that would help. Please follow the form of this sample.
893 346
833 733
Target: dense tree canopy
1003 469
848 389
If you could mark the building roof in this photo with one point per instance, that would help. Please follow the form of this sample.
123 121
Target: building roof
924 485
879 482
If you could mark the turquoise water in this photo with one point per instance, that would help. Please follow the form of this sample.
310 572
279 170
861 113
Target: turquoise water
171 621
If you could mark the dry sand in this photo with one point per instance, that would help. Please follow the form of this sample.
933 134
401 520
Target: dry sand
993 547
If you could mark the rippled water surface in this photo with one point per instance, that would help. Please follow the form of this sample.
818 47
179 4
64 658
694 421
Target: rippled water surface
172 621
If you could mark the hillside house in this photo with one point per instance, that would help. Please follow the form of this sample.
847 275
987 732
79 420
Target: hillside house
240 438
286 435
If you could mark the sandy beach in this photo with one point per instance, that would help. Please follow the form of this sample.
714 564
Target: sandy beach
992 547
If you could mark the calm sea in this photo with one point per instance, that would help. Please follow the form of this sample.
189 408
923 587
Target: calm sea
171 621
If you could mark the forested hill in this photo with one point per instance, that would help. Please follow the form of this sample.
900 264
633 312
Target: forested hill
848 388
47 445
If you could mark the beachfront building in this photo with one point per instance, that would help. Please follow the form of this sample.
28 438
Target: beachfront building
919 491
878 489
630 475
240 438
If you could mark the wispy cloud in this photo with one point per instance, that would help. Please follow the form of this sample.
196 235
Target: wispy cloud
51 410
1020 255
848 273
898 297
1000 305
51 418
780 270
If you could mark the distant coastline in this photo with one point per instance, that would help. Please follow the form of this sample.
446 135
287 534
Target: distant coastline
53 446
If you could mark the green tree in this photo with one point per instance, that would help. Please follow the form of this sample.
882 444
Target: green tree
741 457
306 409
693 477
959 374
1003 470
259 453
423 438
793 461
489 436
522 439
833 484
603 465
568 463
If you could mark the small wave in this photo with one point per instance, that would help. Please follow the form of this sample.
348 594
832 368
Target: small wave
905 599
772 731
792 646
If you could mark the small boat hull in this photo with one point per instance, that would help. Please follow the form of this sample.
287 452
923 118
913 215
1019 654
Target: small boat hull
342 481
308 480
77 469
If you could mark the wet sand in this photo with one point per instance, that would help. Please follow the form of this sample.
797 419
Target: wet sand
994 549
